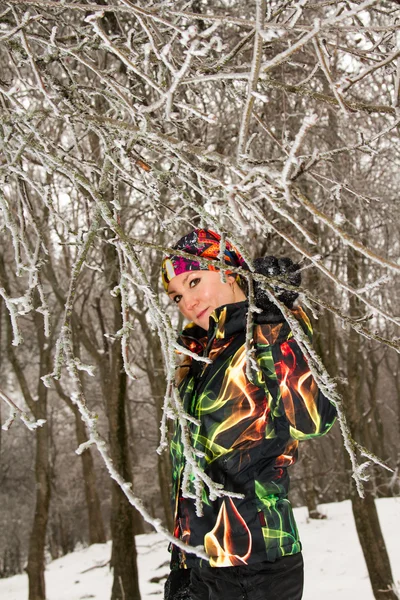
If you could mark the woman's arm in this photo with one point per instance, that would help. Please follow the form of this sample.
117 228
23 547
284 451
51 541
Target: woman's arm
291 386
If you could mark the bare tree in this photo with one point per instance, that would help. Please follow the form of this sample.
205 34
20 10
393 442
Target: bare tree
96 526
218 116
35 396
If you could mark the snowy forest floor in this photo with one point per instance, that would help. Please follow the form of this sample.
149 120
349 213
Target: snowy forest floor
334 564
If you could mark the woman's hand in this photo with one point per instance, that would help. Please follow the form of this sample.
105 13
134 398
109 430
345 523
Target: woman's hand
284 268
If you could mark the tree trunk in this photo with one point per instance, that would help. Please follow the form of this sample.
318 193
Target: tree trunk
114 383
125 584
164 478
97 533
37 539
373 546
374 430
310 493
153 366
38 407
157 385
364 510
1 359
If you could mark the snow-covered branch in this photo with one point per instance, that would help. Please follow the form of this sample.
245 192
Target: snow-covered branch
16 411
267 127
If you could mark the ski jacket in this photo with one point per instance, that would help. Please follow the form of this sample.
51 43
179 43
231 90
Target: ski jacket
245 434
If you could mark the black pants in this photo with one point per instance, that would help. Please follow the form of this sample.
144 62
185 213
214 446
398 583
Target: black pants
279 580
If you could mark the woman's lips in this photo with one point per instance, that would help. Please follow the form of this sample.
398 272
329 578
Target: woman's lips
202 313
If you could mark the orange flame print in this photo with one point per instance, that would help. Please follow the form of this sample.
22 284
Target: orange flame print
243 402
298 381
219 543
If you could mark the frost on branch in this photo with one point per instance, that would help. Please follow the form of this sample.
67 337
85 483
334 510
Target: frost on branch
274 125
15 411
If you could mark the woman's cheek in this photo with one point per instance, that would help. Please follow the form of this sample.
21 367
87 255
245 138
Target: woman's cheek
205 294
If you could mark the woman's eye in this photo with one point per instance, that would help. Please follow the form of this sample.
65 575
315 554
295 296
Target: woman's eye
192 283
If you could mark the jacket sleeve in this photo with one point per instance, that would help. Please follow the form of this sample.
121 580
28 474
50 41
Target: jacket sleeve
289 383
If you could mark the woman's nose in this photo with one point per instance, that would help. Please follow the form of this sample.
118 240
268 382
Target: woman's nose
192 302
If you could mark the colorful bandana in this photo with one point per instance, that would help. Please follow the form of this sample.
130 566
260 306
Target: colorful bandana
203 243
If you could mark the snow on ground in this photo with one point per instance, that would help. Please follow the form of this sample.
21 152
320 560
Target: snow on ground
334 564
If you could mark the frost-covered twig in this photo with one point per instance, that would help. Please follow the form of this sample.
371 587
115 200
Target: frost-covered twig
13 312
179 75
253 78
308 122
37 72
127 328
95 22
25 21
347 239
114 90
325 69
69 305
283 56
297 89
27 419
268 225
354 324
364 143
351 81
128 7
251 363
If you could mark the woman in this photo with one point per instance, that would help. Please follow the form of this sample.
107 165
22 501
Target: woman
248 431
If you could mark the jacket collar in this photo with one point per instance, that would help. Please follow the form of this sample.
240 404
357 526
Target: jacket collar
225 322
229 320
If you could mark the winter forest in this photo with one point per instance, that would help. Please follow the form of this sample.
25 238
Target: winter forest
124 124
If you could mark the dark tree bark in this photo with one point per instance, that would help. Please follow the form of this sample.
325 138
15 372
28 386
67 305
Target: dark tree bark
37 539
164 478
373 545
153 366
126 522
157 386
38 407
1 358
309 490
364 510
97 533
124 516
374 431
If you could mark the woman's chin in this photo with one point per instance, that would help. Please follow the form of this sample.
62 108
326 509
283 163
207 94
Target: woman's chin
204 320
203 323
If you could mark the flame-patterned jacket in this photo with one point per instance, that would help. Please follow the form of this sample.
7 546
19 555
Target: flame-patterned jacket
245 437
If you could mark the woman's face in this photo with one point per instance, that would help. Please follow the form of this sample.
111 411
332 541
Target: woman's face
198 293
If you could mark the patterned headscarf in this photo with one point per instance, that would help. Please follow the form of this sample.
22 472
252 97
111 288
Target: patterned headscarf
199 242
